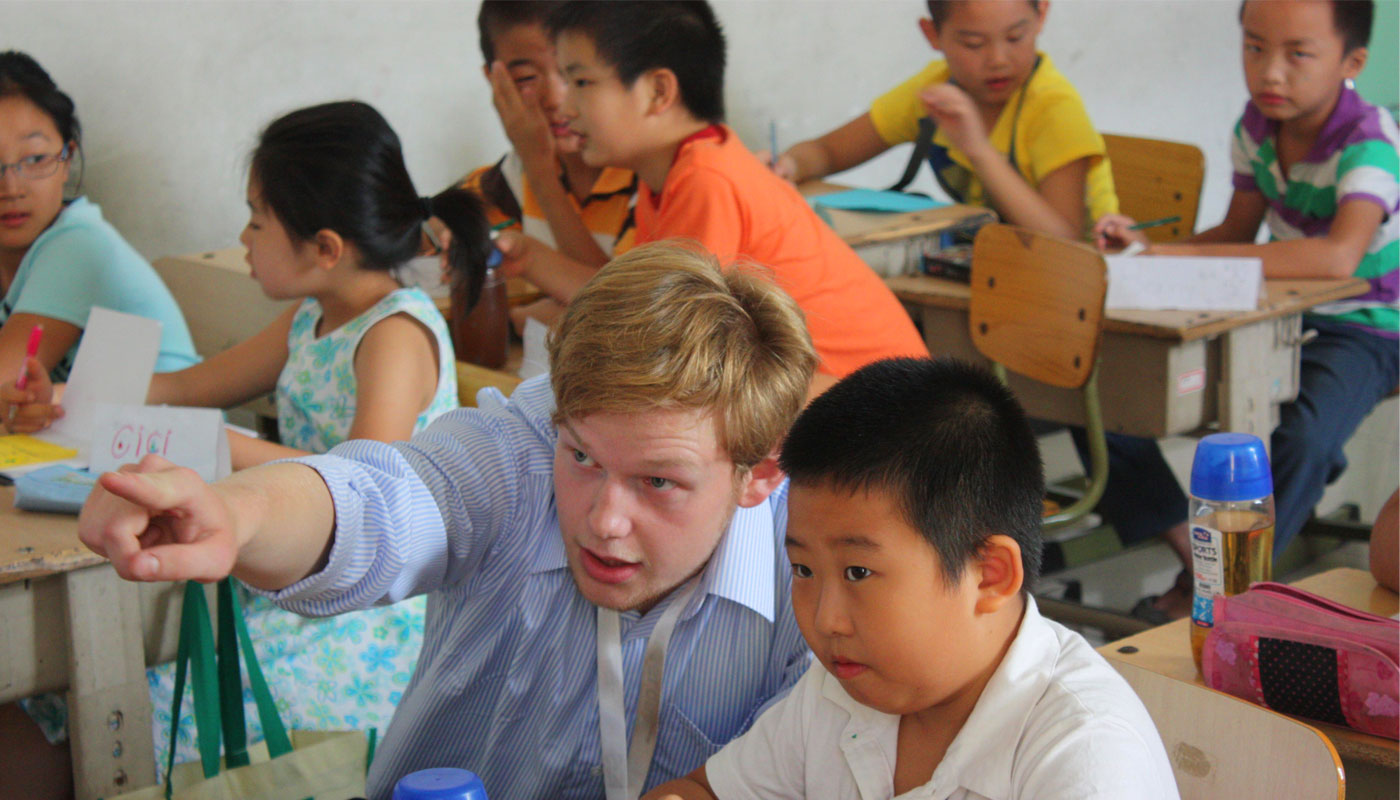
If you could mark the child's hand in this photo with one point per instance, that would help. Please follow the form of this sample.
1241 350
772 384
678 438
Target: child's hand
518 253
785 166
444 244
158 522
1113 232
31 409
953 111
525 122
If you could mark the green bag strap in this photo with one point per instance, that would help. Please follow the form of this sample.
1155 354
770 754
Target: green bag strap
274 732
195 650
234 725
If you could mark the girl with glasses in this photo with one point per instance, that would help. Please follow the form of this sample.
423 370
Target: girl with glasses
59 258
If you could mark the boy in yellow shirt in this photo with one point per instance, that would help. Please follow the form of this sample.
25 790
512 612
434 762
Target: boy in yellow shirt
1003 127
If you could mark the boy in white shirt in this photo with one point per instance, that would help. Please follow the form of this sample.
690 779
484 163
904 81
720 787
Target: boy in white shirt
915 528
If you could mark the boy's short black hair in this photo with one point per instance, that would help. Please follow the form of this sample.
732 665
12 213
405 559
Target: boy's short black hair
938 10
498 16
944 439
680 35
1351 18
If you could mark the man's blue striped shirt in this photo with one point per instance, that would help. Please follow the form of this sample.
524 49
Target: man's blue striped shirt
506 682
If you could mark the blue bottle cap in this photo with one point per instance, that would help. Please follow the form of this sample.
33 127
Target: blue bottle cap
1231 467
445 783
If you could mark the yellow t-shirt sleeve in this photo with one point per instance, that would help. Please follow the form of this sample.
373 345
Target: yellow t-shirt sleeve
896 113
1059 132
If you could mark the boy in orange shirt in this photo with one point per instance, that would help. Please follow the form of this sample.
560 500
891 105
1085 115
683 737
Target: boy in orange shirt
645 92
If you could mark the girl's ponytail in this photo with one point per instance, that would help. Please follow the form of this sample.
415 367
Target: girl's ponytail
465 216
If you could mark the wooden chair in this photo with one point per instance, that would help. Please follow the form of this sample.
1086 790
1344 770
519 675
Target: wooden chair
1156 179
472 379
1222 746
1037 310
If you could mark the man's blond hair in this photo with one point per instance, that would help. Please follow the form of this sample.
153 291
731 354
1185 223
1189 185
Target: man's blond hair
665 327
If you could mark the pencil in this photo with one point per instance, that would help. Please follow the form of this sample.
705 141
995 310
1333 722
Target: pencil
1153 223
503 224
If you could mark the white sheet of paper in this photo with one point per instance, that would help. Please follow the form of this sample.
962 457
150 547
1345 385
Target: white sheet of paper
535 360
1186 283
190 437
114 365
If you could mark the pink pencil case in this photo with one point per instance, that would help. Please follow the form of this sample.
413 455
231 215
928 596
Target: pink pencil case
1300 654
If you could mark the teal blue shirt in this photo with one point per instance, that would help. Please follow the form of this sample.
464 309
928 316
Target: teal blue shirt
80 262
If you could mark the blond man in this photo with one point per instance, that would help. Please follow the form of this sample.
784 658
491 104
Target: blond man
603 552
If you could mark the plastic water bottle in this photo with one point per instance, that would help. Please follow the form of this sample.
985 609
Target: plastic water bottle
1232 524
481 332
444 783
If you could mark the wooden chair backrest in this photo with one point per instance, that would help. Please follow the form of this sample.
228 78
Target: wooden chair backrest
1037 304
1222 746
472 379
1154 179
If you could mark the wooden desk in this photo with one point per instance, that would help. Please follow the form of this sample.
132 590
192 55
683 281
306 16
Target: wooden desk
894 244
472 378
1161 373
67 622
1167 650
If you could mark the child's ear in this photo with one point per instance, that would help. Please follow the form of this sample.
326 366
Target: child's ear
762 480
930 33
1354 62
661 91
999 573
330 248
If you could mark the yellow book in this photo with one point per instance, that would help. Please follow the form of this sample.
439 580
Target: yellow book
18 450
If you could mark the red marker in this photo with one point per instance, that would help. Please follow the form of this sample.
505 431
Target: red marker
36 335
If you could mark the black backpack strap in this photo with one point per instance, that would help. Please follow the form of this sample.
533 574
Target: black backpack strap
922 143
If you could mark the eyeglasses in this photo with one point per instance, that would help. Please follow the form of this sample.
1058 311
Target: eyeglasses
35 167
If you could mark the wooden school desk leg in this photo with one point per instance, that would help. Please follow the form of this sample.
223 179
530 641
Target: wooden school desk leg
1252 378
109 705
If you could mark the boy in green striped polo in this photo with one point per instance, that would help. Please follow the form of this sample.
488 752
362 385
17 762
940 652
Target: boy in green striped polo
1318 164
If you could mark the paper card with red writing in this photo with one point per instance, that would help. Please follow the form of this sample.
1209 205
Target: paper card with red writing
190 437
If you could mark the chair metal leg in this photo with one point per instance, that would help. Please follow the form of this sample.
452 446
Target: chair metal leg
1114 624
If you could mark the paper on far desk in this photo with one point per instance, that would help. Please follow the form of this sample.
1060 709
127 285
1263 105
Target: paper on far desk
872 200
1184 283
536 339
191 437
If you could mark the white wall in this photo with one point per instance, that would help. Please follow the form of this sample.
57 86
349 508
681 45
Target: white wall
172 94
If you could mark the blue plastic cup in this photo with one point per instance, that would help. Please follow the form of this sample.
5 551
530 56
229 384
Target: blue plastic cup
443 783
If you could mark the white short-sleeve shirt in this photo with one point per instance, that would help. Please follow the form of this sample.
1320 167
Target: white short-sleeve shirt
1054 721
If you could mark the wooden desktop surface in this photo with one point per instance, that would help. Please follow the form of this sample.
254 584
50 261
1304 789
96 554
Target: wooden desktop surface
1284 297
862 228
34 544
1166 649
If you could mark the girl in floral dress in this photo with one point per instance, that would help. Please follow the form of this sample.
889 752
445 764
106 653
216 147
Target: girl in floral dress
332 213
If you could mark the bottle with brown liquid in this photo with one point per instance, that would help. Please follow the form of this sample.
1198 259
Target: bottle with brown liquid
481 333
1232 524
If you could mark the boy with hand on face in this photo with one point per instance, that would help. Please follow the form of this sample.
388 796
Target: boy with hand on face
1004 128
645 92
542 187
914 530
